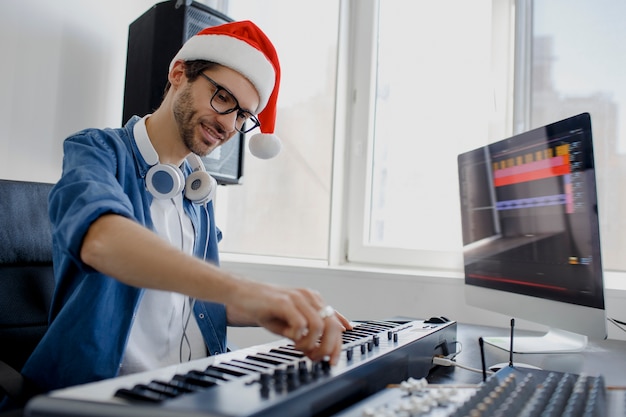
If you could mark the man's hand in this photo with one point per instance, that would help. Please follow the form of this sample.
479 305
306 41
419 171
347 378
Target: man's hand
298 314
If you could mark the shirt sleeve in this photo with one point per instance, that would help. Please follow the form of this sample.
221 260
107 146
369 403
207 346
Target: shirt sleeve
91 185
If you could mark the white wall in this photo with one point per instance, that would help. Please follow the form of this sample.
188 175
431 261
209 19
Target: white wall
63 68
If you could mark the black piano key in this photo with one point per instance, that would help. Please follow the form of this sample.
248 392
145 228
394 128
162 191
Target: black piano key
141 393
288 352
165 390
290 347
231 369
370 329
374 326
215 373
262 367
366 332
384 325
347 338
197 379
362 335
260 358
178 386
249 367
278 355
364 329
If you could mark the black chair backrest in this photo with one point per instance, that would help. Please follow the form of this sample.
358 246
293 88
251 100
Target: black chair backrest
26 276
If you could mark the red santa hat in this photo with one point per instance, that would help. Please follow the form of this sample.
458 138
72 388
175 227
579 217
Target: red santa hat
243 47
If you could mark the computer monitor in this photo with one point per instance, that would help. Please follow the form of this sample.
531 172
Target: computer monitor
531 241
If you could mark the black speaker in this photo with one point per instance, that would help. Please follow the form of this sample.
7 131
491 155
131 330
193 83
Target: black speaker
153 40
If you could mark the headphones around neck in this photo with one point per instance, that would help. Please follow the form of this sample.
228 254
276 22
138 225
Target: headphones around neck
166 181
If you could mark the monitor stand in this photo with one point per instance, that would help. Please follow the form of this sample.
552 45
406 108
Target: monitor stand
554 341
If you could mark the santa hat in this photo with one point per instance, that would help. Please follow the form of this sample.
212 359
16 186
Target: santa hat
243 47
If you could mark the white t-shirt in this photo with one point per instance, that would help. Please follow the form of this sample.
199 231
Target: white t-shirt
163 332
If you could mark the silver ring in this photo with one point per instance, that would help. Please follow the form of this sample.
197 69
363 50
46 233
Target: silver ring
326 312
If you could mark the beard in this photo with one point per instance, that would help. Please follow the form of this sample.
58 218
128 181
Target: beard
185 116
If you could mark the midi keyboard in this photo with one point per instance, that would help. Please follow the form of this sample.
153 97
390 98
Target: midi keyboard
266 380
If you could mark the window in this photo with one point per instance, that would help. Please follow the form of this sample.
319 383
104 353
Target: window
429 97
283 206
423 82
578 60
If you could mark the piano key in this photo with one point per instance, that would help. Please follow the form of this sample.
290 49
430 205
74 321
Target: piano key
262 358
289 352
196 378
141 393
232 369
261 367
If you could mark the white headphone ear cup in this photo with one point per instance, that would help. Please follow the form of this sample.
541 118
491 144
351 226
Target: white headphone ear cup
200 187
165 181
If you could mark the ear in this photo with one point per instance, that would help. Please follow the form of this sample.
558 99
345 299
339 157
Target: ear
177 73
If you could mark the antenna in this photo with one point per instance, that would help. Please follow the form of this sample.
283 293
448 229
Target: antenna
481 343
511 349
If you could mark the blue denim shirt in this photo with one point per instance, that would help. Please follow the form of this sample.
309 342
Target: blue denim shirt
91 313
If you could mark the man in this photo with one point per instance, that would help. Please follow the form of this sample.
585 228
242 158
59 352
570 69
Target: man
135 244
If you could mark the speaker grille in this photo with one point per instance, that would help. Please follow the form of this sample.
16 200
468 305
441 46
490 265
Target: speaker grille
198 19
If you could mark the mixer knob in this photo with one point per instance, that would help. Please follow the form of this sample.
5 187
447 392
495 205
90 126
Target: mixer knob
280 375
292 377
265 379
303 371
316 369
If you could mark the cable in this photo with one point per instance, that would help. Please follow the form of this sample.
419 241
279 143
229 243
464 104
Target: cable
437 360
192 301
184 340
208 227
459 349
184 337
618 323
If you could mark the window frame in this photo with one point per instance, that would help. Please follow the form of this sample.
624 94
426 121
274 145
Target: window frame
361 90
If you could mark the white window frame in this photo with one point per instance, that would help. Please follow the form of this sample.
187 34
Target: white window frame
360 93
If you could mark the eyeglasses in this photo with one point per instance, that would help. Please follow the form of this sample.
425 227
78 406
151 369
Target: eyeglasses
223 102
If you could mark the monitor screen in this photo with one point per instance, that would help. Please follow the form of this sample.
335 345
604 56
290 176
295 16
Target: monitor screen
531 242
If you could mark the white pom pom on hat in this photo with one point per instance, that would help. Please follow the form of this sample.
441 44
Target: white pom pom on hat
243 47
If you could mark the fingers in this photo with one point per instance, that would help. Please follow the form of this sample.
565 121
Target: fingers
328 347
347 325
298 314
323 339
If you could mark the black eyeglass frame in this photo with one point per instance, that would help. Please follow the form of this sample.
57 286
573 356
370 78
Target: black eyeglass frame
251 118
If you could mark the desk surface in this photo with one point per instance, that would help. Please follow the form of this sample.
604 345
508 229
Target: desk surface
605 357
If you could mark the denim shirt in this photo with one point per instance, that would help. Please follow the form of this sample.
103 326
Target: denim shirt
91 313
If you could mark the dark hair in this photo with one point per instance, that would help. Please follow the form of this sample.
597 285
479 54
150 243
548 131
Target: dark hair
193 70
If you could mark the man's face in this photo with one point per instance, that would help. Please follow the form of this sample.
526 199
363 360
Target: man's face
201 128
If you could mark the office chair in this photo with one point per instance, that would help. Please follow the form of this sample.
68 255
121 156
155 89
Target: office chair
26 279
